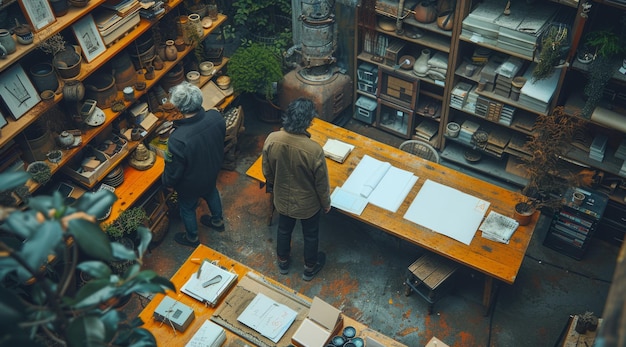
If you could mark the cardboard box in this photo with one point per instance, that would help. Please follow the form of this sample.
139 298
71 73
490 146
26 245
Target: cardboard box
76 171
435 342
322 323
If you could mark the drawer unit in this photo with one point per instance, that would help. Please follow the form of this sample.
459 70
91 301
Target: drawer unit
365 109
612 227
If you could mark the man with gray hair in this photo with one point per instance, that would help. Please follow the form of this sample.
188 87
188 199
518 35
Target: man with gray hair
294 166
195 152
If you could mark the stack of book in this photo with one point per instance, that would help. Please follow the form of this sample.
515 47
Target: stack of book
481 55
426 130
506 72
497 142
516 145
537 94
151 9
621 150
470 101
598 147
468 128
524 121
498 227
488 75
115 19
506 115
480 26
520 32
459 94
337 150
622 170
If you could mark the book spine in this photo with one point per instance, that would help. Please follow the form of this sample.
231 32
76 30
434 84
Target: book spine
576 218
568 240
571 225
572 233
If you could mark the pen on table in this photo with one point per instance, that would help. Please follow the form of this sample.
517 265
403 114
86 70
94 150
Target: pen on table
199 272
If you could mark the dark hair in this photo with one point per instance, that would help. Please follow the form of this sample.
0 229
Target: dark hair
186 97
299 115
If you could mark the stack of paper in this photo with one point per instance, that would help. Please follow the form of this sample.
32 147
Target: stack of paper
498 227
209 335
598 146
337 150
376 182
268 317
209 284
621 150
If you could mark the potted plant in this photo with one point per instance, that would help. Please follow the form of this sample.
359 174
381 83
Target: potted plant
37 307
554 46
606 45
552 136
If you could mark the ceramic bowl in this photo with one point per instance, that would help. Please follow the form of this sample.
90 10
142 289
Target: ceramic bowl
207 22
193 77
47 95
223 82
206 68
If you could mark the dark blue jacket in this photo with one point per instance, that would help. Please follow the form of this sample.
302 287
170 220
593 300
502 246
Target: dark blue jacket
195 152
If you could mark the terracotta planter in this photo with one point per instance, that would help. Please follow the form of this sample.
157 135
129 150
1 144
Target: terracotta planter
523 214
426 11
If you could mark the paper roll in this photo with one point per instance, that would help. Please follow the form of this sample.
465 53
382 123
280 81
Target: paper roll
374 179
608 118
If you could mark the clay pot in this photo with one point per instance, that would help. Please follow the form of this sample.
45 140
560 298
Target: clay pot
24 34
7 41
59 7
522 214
445 20
65 139
171 53
73 90
67 63
426 11
44 77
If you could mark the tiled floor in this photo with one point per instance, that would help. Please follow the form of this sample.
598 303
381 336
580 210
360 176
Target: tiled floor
366 268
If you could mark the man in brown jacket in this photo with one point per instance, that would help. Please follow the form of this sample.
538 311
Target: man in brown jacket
294 166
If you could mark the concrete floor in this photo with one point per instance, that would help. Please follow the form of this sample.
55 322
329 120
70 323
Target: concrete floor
366 268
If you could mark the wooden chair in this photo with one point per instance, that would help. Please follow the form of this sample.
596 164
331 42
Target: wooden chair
421 149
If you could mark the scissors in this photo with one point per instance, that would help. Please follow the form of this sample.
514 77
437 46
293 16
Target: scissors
214 280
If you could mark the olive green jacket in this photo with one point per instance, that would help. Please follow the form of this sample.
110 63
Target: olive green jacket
295 167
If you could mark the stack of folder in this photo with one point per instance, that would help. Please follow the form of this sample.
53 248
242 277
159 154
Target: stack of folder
470 102
621 150
506 115
497 142
468 128
459 94
426 130
537 94
516 145
598 147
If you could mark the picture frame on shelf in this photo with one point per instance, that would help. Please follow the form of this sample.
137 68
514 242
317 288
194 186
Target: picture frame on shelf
18 92
399 88
89 38
38 12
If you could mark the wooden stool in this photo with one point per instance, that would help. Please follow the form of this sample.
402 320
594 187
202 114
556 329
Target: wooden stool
426 275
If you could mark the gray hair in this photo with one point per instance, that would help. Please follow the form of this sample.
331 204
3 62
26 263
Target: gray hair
186 97
299 115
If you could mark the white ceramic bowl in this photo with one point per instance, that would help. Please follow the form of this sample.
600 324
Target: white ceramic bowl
193 77
206 68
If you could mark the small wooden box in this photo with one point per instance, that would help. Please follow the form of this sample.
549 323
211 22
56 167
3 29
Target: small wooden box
393 52
399 88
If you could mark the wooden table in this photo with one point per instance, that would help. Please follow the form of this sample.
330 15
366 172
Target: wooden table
166 336
497 261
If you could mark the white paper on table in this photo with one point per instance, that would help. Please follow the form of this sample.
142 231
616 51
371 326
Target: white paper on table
390 184
447 211
268 317
347 201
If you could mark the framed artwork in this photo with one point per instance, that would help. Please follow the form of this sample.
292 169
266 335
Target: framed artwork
18 91
89 38
38 12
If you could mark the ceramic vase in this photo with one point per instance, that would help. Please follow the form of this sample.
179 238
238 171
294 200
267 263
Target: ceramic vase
59 7
194 22
420 68
7 41
23 34
65 139
170 51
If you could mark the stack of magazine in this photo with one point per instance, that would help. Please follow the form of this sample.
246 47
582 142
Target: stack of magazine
337 150
498 227
209 284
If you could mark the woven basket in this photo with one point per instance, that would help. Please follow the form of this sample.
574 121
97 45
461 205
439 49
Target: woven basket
160 229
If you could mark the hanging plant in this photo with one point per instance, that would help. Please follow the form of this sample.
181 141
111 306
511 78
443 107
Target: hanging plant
607 46
553 44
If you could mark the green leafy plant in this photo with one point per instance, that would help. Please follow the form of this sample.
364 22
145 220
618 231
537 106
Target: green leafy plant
607 45
39 309
552 46
194 38
255 68
126 223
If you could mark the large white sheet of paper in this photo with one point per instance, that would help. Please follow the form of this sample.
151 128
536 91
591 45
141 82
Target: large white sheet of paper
447 211
380 183
268 317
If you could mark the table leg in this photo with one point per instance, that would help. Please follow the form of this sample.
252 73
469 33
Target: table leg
489 294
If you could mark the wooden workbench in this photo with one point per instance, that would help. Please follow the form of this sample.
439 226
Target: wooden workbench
496 260
166 336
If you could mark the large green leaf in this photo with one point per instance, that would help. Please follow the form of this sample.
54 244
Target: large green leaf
12 310
121 252
141 337
145 236
94 292
91 239
37 248
95 269
95 204
86 331
11 180
112 320
22 224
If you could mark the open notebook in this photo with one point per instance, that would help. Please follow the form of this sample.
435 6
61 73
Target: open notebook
209 284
